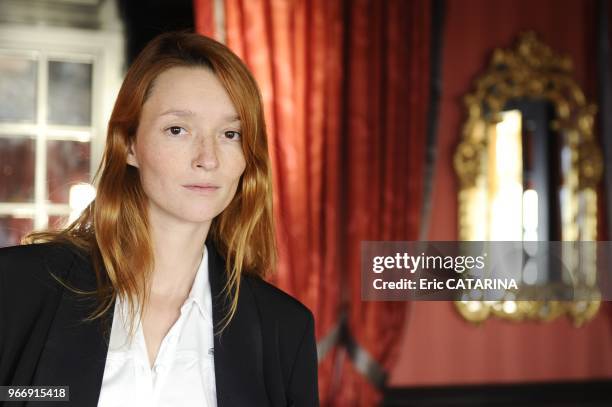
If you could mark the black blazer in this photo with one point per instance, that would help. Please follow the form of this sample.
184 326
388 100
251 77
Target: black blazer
265 357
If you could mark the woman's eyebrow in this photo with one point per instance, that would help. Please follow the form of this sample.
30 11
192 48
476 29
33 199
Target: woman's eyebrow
177 112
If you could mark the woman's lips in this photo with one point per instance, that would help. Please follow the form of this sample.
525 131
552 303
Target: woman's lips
203 188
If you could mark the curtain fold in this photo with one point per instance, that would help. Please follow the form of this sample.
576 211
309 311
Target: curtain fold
386 122
345 87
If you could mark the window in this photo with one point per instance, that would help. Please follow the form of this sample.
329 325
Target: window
57 87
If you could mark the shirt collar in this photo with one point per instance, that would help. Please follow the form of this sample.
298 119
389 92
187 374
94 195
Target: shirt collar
200 290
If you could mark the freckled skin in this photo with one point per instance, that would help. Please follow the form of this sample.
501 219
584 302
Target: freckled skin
202 146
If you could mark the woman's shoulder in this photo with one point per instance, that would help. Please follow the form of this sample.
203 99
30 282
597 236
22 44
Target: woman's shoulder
279 304
27 253
19 263
23 251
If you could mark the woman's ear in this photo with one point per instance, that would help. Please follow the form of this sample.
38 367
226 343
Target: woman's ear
131 157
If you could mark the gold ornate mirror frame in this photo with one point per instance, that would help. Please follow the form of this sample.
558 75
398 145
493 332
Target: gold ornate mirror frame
530 71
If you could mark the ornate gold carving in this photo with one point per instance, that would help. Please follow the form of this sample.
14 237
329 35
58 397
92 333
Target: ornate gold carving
530 70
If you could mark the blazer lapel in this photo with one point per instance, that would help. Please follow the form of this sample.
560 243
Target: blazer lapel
75 351
238 352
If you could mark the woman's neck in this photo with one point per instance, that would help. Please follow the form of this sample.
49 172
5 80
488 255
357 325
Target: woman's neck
178 249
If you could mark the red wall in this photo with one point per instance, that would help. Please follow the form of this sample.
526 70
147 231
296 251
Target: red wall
438 346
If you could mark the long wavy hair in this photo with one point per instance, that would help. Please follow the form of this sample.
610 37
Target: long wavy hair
114 228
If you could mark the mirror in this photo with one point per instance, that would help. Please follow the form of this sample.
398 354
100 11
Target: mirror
528 165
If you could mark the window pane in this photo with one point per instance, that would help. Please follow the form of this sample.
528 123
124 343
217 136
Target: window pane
69 99
13 229
17 161
67 164
17 89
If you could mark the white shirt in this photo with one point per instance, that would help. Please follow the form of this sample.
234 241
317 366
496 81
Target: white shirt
183 373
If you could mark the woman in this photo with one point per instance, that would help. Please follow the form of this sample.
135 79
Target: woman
154 295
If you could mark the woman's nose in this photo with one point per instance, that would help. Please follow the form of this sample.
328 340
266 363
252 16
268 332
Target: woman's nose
206 156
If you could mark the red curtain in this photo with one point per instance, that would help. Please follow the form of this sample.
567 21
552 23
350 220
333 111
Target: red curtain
345 87
387 103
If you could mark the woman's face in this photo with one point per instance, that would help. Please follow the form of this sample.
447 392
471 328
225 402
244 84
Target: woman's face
188 148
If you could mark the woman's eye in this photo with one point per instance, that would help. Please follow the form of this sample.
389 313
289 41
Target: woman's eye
232 135
175 130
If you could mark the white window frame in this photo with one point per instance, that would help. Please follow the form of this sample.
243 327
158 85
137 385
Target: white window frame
105 50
